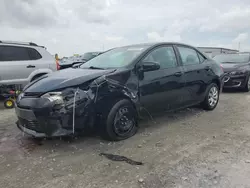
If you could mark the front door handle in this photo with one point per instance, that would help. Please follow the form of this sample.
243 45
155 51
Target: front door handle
31 66
178 73
207 68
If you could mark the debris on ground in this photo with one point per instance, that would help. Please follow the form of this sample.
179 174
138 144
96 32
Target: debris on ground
141 180
120 158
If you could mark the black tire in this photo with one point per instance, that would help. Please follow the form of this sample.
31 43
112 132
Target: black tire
247 86
206 105
9 103
108 127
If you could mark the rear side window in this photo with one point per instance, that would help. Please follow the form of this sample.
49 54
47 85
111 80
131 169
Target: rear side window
188 56
14 53
34 55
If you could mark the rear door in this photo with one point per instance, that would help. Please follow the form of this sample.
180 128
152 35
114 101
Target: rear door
162 89
195 72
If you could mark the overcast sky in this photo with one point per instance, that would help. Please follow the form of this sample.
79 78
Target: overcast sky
70 27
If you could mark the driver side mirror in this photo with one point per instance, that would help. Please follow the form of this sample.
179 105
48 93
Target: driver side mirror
150 66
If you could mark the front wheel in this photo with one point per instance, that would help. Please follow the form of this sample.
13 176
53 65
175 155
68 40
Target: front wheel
121 121
212 97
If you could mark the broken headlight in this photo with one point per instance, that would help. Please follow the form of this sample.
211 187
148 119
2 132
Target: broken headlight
55 97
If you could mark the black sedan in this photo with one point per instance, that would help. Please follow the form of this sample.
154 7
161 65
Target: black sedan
237 70
111 91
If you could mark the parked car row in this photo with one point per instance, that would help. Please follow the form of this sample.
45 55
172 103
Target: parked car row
110 92
77 61
22 62
237 70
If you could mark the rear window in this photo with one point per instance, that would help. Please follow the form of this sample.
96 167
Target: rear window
15 53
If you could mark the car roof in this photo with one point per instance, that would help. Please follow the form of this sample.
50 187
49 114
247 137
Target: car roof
152 44
239 53
18 43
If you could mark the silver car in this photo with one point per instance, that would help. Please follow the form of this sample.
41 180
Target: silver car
21 63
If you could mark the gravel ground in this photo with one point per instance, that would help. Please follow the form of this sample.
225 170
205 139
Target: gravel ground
188 148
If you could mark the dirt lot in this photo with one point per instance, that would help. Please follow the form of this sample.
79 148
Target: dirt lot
189 148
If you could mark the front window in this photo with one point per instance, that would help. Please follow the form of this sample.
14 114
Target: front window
232 58
115 58
165 56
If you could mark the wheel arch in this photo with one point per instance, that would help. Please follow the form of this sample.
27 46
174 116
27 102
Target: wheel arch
109 100
217 82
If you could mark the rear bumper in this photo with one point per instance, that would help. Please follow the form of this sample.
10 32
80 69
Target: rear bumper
234 81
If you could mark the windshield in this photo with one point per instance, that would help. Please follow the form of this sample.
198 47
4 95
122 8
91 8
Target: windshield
232 58
115 58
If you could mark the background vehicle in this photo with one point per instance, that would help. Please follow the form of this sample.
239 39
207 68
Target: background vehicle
75 61
21 63
112 90
237 70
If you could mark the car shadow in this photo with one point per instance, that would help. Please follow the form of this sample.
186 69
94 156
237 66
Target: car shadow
90 141
225 91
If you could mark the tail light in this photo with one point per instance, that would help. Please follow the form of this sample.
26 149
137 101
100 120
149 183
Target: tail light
57 65
221 68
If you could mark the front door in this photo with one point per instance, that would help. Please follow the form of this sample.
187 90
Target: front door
162 89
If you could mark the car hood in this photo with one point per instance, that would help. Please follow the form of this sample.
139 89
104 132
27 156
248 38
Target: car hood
65 78
233 66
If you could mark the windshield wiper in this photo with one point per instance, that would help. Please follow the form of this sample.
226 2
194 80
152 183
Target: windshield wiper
92 67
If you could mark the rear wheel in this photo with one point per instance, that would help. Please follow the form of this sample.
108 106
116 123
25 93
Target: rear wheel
212 97
121 121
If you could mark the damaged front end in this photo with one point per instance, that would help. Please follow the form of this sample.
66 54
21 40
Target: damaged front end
70 110
54 113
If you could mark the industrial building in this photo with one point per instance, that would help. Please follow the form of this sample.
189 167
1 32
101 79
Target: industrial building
212 51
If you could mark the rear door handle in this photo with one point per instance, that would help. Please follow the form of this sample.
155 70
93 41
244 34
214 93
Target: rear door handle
178 73
31 66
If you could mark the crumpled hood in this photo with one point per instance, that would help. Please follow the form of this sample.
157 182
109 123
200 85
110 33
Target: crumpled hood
65 78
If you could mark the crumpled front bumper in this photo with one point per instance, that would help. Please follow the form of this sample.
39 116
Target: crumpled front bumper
40 127
40 117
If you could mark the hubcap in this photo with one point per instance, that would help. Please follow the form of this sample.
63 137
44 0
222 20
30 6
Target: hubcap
124 122
213 96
